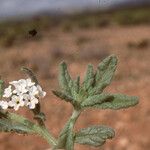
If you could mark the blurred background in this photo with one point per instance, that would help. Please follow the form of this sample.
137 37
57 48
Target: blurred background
40 34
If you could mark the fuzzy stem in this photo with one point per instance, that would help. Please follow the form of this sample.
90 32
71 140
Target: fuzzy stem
75 115
68 127
74 118
43 132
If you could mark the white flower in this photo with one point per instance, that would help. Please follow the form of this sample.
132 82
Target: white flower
7 92
25 93
29 82
26 99
4 104
37 91
16 102
30 101
33 91
19 82
41 92
20 86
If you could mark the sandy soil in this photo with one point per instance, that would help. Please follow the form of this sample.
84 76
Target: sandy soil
78 48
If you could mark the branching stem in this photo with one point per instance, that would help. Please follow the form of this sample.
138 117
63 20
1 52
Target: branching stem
70 126
74 117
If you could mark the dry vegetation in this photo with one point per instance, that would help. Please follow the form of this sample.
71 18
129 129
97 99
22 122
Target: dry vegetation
79 41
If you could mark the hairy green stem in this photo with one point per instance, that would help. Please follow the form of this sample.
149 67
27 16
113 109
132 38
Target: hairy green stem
72 121
43 132
68 128
74 117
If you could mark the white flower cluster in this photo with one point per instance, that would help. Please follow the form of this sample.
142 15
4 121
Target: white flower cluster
21 93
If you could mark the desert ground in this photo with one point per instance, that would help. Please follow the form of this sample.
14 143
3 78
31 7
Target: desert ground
79 47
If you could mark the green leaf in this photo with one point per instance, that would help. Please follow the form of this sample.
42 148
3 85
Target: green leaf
96 100
89 94
94 135
11 122
1 88
64 78
75 87
40 116
30 74
104 74
89 78
117 101
62 96
9 125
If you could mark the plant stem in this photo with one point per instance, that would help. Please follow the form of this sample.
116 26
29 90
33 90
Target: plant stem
72 121
68 131
43 132
74 118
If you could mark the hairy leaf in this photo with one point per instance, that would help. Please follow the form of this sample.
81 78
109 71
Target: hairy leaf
75 88
89 78
104 74
96 100
61 95
89 94
117 101
94 135
9 125
64 78
1 88
30 74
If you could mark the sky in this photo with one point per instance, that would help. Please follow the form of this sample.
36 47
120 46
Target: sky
10 8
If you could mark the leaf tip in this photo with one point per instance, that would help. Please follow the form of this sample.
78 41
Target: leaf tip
136 100
114 57
23 68
63 63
